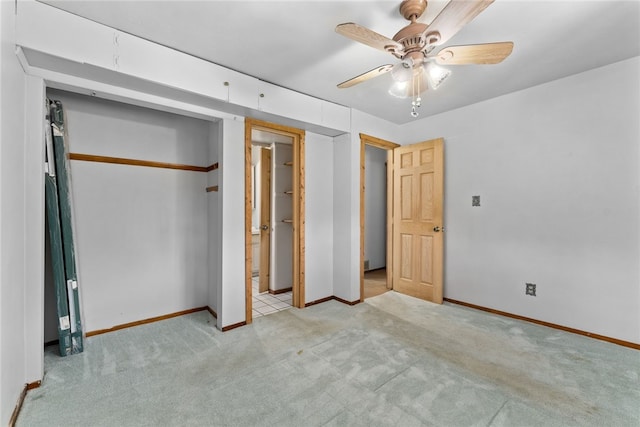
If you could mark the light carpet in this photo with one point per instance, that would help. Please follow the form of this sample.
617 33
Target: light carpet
391 361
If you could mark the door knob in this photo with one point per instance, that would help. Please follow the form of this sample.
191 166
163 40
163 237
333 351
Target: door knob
436 229
264 227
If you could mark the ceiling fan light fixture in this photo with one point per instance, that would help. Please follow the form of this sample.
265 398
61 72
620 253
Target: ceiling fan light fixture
402 71
436 75
399 89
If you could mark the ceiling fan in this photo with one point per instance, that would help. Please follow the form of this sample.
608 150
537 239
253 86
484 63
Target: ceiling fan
414 45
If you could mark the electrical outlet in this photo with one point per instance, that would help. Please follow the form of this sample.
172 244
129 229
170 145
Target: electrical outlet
475 201
530 289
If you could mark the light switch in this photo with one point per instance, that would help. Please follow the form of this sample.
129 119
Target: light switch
475 200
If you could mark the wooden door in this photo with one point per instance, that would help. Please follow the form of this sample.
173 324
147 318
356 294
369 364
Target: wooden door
265 219
417 220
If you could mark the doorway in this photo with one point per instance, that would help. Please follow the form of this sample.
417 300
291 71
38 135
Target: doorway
414 217
376 273
275 223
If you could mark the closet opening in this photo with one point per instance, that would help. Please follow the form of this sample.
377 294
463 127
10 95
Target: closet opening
274 218
145 213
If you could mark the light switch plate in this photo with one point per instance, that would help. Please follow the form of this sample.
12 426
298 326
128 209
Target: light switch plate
475 200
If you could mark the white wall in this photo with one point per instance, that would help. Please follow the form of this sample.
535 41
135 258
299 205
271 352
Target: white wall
375 207
319 217
557 169
141 232
12 218
231 295
214 219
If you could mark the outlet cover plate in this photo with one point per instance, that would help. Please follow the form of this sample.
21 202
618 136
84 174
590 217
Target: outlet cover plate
530 289
475 201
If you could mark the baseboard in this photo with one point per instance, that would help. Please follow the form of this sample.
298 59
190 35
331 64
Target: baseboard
280 291
145 321
234 326
332 297
16 410
50 343
212 311
344 301
623 343
319 301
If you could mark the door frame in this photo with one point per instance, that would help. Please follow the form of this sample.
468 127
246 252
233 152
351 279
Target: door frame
388 146
298 199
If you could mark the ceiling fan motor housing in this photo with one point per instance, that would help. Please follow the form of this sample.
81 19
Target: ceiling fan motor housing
412 9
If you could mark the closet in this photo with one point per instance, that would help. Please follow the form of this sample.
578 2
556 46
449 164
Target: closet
144 186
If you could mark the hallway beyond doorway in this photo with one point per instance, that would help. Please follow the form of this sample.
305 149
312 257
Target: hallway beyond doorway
375 282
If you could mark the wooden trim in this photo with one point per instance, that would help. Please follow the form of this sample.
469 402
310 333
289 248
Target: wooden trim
389 146
623 343
35 384
279 291
330 298
248 239
134 162
377 142
389 254
344 301
212 188
145 321
319 301
16 410
212 311
234 326
212 167
298 199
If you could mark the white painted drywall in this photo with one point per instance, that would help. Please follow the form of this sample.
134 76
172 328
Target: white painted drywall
34 229
141 232
318 217
231 300
557 170
12 218
214 220
375 207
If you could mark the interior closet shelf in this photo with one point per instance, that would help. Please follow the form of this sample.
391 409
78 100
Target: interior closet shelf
287 221
288 163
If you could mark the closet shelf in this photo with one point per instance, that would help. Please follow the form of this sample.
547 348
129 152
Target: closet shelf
290 192
287 221
288 163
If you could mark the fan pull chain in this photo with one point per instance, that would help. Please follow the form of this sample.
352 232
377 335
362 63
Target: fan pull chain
415 99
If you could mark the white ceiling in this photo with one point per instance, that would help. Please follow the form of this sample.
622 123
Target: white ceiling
293 43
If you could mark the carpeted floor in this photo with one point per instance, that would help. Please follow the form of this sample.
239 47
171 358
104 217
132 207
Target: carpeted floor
391 361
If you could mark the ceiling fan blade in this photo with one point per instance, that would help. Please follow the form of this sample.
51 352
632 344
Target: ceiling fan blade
488 53
455 15
369 37
366 76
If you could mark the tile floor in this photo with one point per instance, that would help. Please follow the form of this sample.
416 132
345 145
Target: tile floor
266 303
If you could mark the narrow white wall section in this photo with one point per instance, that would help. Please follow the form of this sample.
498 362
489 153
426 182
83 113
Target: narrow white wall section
34 229
318 217
214 219
231 302
557 170
342 194
12 218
